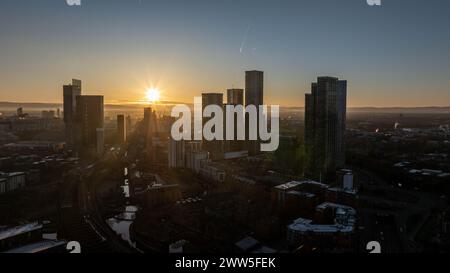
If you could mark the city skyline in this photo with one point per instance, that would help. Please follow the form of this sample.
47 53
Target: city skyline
214 134
395 57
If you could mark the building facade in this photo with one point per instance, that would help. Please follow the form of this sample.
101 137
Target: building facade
254 95
177 153
121 129
213 147
235 97
325 119
70 94
90 122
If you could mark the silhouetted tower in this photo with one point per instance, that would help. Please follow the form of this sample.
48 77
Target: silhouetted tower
325 118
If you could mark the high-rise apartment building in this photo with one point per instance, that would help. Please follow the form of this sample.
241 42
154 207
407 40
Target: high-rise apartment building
121 129
325 118
214 147
235 97
89 118
70 94
177 153
254 95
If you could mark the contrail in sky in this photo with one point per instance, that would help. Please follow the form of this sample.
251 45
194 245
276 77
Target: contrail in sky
244 40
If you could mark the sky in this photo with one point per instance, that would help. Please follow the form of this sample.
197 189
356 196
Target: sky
396 54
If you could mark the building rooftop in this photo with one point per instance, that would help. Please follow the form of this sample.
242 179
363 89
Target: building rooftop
288 185
336 206
247 243
294 184
264 250
302 193
342 190
345 219
306 225
37 247
15 231
6 175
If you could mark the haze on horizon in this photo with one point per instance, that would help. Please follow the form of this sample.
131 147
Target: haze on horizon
394 55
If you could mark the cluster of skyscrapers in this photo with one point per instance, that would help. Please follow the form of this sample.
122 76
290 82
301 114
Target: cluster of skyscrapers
254 95
325 124
325 119
83 118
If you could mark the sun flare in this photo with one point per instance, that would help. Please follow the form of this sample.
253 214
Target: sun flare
153 95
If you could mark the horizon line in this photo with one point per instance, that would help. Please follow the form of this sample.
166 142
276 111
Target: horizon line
162 103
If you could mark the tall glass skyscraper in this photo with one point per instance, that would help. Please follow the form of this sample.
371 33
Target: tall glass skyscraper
90 118
70 94
214 147
325 118
254 95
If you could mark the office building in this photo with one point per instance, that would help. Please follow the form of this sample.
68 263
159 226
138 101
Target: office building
150 126
70 94
121 129
177 153
10 182
128 124
254 95
90 119
195 156
100 145
325 118
214 147
235 97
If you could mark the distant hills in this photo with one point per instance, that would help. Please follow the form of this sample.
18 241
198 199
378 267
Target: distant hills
35 106
6 104
428 109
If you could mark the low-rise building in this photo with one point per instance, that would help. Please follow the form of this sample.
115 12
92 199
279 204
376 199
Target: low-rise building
163 195
12 181
333 221
213 172
21 235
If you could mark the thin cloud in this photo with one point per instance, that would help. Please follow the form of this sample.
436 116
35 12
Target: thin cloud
244 40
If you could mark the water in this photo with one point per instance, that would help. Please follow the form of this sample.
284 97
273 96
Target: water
126 189
121 223
126 186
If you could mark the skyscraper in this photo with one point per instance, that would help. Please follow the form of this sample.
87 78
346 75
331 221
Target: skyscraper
128 124
325 118
235 97
177 152
100 145
214 147
121 129
70 93
150 122
254 95
90 117
150 129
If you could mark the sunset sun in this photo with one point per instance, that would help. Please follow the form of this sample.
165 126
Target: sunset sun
153 95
